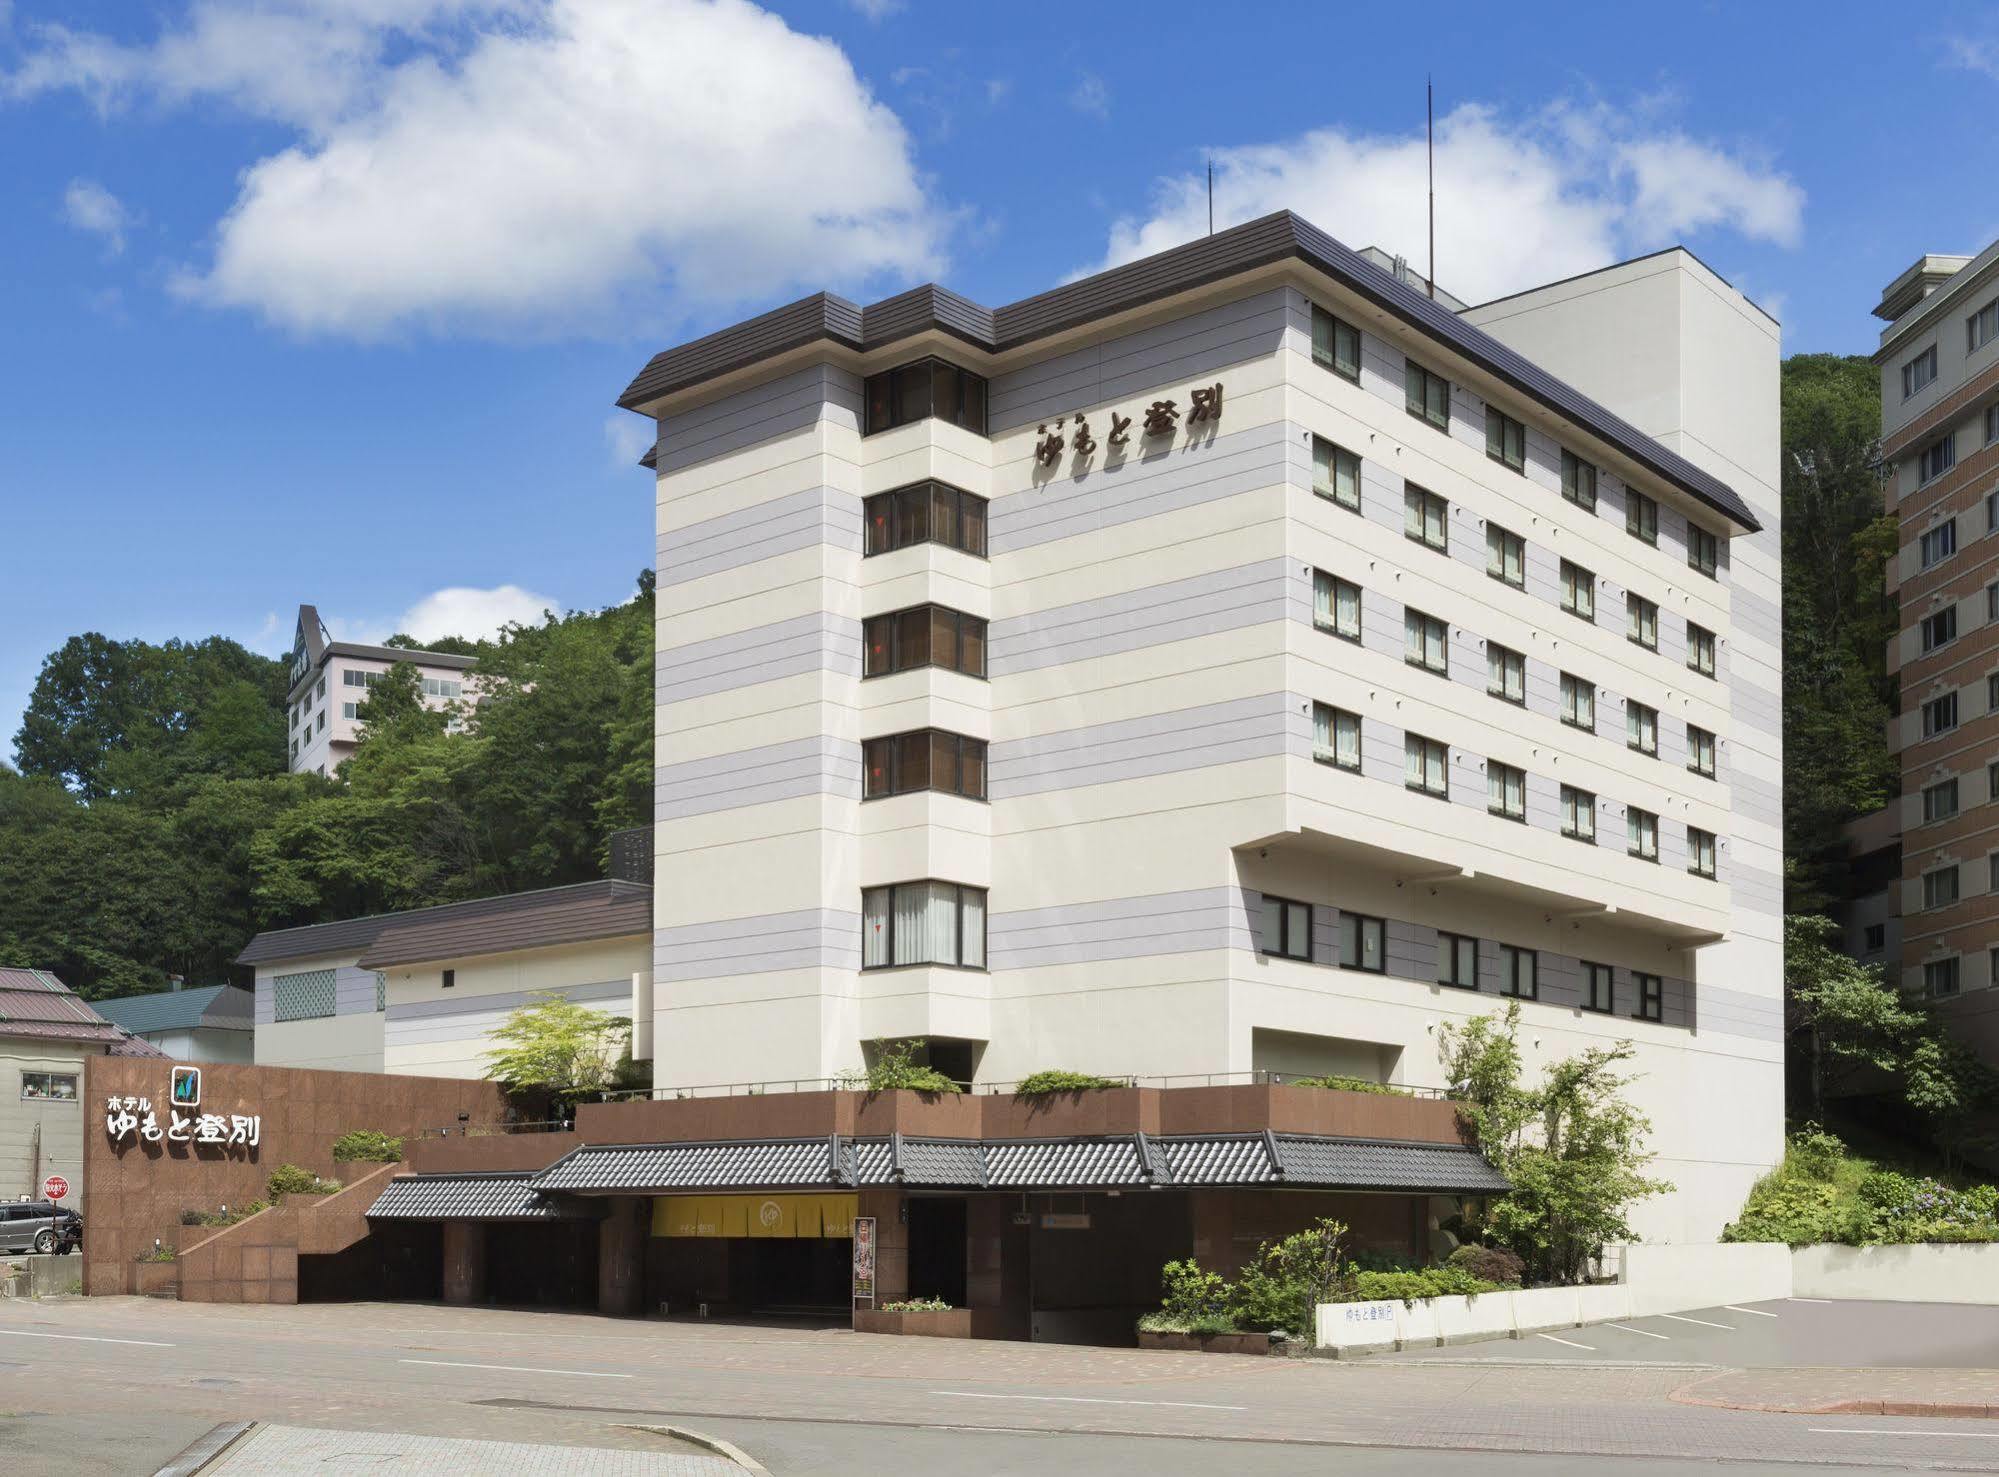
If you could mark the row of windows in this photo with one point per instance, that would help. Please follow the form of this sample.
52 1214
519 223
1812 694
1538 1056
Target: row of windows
1940 887
926 513
924 636
1426 769
52 1086
1945 976
1336 608
448 687
1937 544
925 759
1285 930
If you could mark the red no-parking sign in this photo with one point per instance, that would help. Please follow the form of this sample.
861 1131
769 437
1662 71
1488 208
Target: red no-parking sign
54 1187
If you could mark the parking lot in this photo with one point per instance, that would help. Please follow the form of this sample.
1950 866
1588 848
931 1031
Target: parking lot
1789 1333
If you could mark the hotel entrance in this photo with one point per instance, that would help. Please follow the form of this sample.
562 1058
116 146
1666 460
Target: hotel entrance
787 1256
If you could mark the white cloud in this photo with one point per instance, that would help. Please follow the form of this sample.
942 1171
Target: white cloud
1520 201
1974 55
1089 95
876 10
511 166
473 614
90 207
628 436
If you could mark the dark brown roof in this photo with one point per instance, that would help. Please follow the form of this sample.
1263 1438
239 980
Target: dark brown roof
1258 243
517 920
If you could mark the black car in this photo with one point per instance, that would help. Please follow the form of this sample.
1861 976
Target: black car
39 1225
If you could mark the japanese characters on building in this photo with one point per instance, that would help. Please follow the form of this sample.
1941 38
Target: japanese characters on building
134 1118
1162 417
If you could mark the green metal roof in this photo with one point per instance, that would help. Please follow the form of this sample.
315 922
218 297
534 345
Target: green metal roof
170 1010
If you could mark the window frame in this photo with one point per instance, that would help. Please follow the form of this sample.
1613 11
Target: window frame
49 1094
1509 446
1510 662
1981 327
1330 359
895 761
1641 621
1641 517
1937 630
1936 543
1284 949
1641 833
1335 585
1651 997
1936 459
1421 507
1700 640
886 510
1934 888
1332 755
1919 372
1578 591
1578 693
1641 728
1703 846
1503 546
1419 628
896 416
892 888
1592 974
1510 777
1449 947
1578 481
1575 803
1702 743
1937 705
1511 958
1330 490
1703 550
1355 927
1420 385
1934 971
896 665
1431 749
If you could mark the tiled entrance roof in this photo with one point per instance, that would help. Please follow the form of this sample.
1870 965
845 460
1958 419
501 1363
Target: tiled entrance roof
474 1197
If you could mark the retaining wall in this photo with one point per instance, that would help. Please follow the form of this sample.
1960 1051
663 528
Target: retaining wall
1961 1273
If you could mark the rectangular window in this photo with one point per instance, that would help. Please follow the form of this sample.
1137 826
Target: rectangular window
1940 802
1426 517
1505 673
1425 642
927 513
1426 765
1991 435
308 996
1505 556
54 1086
1992 693
1335 605
1703 550
1519 972
1641 621
1940 977
1992 596
1427 395
1919 371
443 687
1362 943
924 636
1641 516
923 923
1457 961
1641 834
1700 649
1701 852
927 389
1641 727
1875 939
1981 327
1335 344
1505 439
1335 736
1579 481
1578 814
1651 997
1599 987
349 710
1940 887
1937 458
1940 715
1939 543
1939 629
1700 751
1285 928
1505 790
1335 473
923 759
1578 702
321 724
1578 591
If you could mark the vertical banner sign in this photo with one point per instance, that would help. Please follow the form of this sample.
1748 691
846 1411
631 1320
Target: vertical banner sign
864 1258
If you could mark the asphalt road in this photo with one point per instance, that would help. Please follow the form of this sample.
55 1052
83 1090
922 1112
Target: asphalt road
115 1386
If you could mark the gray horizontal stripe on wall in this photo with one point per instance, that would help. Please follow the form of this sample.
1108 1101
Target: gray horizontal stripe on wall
1150 363
813 938
1753 617
354 991
1751 704
510 1000
762 413
817 642
1200 605
1131 748
1733 1013
1146 485
802 520
1119 928
820 764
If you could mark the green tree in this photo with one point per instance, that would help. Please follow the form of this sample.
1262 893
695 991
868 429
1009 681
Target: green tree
1572 1148
554 1049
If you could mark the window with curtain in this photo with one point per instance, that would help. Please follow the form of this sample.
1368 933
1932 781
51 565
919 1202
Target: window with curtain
1505 439
1426 395
924 759
1578 814
1335 473
924 922
1426 765
1579 481
1335 605
1335 344
1506 790
1335 736
1700 751
1505 556
1578 702
924 636
1426 642
1700 649
1641 727
1426 518
1641 516
1578 591
926 512
1505 673
1641 621
1700 852
1641 834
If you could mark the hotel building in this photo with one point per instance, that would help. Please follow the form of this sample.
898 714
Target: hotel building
330 680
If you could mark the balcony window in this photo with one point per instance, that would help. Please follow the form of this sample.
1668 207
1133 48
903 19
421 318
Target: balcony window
1641 621
1335 605
1505 673
1363 943
1426 518
924 636
1641 517
1700 650
1505 439
1578 814
927 513
1426 642
1701 851
1506 790
1285 928
1578 702
1578 591
1427 395
1641 834
1457 961
1641 727
1426 766
1505 556
1599 988
1579 481
1519 972
923 923
1651 997
1335 344
1335 473
927 389
924 759
1335 736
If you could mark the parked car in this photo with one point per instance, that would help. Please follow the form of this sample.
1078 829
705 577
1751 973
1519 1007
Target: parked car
39 1225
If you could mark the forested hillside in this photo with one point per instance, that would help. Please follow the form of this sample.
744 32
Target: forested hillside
152 829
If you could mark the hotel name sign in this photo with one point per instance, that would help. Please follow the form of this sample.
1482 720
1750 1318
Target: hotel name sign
1162 417
134 1119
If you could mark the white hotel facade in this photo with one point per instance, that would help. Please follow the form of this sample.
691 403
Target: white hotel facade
1433 661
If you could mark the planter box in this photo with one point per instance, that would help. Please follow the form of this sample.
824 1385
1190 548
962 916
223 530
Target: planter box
1210 1343
156 1279
951 1323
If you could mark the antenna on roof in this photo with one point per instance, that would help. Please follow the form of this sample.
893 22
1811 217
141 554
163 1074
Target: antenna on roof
1430 135
1211 197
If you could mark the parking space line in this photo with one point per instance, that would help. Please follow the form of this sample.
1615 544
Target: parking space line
587 1374
1591 1348
1900 1431
84 1338
1081 1400
1752 1312
1724 1327
1644 1332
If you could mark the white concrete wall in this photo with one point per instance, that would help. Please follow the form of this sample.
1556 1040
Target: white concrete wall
1967 1273
350 1040
1671 1279
60 1123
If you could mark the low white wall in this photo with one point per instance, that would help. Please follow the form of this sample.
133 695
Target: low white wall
1959 1273
1671 1279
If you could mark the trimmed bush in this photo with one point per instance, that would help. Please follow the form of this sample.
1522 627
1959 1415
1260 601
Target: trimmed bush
289 1179
1340 1083
367 1146
1409 1287
1493 1264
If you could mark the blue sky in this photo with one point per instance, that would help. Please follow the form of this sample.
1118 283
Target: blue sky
329 300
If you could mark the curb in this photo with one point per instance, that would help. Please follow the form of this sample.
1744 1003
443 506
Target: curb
1935 1409
721 1448
205 1448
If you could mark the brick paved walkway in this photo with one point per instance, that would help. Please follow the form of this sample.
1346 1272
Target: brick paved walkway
270 1449
1957 1393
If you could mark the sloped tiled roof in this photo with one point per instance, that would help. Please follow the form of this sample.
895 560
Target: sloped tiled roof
1064 1163
758 1165
1369 1164
36 1006
219 1007
482 1197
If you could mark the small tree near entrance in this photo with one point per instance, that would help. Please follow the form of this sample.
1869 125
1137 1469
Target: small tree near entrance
554 1052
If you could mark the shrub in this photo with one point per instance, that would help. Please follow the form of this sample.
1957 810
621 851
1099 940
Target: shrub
289 1179
194 1217
1816 1152
1053 1082
1341 1083
1824 1193
1277 1291
1489 1264
895 1068
917 1305
1191 1293
157 1254
1408 1287
367 1146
